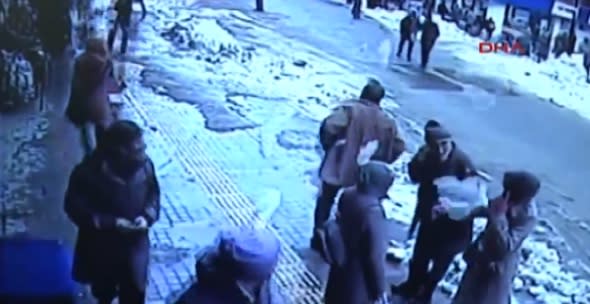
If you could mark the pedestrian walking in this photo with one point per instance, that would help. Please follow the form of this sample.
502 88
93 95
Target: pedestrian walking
362 227
585 50
349 127
356 9
238 269
88 107
113 197
408 29
439 238
124 9
430 34
492 260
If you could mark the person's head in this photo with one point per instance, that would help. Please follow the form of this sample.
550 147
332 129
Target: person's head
122 144
441 141
586 40
97 46
520 186
373 91
250 254
375 178
413 14
429 124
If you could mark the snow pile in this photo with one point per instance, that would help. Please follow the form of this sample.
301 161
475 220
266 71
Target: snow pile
204 36
561 81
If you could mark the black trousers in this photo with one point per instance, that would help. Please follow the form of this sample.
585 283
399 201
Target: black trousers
323 205
124 288
400 47
121 22
423 280
425 50
356 9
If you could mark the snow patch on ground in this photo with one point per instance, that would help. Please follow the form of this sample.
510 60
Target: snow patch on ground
561 81
286 96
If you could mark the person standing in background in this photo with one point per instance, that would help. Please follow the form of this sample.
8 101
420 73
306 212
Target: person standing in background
124 9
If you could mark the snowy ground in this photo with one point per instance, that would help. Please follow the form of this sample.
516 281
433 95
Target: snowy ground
560 81
274 92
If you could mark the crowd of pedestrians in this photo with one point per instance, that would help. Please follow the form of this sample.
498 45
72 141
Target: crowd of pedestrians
113 198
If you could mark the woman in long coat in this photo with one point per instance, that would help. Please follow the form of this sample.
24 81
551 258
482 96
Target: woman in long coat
89 107
492 260
361 278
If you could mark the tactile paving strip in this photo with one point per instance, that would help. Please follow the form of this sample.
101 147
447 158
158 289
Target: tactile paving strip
297 283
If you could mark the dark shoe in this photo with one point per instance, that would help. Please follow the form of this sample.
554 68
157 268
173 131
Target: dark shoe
403 290
316 244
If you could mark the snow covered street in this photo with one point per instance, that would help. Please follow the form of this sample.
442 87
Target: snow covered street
560 81
231 110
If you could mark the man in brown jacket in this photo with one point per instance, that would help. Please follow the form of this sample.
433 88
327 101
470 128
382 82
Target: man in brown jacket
352 125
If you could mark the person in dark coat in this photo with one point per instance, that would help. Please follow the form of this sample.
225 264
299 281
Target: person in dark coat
89 106
361 279
124 10
408 28
350 126
430 34
492 260
585 50
237 270
439 239
113 197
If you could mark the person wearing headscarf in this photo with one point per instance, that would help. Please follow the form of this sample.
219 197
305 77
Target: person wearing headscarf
492 260
238 269
350 126
439 238
362 222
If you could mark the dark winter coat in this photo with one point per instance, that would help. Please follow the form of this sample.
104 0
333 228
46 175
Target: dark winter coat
424 168
363 224
488 277
408 26
356 122
430 33
95 197
215 286
91 85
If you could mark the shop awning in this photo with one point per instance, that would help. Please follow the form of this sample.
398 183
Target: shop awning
542 6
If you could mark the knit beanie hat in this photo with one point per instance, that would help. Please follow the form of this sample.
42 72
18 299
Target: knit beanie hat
250 254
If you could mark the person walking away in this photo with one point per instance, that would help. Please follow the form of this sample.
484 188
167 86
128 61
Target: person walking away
492 260
489 27
408 28
430 34
356 9
113 197
238 269
89 108
350 126
439 238
124 10
363 226
585 50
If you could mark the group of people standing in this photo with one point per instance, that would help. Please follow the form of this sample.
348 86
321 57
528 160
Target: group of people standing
360 140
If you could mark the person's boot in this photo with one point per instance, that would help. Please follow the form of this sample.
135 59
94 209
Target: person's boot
315 243
408 289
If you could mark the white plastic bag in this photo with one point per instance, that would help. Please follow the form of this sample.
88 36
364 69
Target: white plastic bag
462 196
